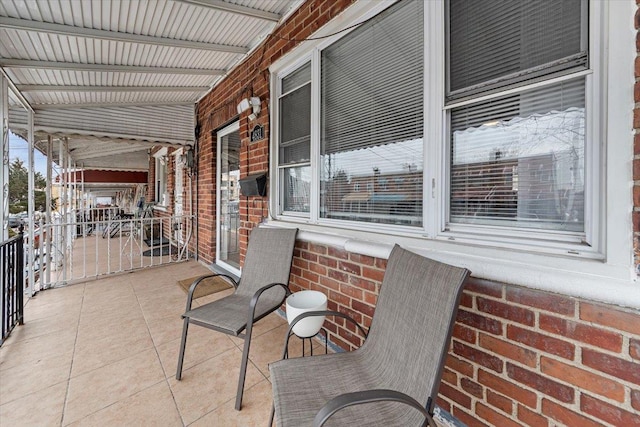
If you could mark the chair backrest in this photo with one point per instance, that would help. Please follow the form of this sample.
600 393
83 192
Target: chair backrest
412 324
268 258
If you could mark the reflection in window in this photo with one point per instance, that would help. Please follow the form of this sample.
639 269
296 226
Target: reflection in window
296 188
381 184
526 169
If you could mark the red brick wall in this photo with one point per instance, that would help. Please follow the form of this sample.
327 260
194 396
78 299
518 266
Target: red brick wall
518 356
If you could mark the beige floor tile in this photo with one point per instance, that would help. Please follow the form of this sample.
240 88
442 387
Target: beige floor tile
112 303
42 408
153 307
64 321
202 344
114 285
102 387
50 346
43 300
210 384
153 406
51 309
165 329
163 306
168 290
119 344
34 375
256 409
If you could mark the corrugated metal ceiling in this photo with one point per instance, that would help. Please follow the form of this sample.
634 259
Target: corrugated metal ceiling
91 68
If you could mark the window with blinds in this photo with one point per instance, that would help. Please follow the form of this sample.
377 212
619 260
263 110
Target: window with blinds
371 137
294 154
517 158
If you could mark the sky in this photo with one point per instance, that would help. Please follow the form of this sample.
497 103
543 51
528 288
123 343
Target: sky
19 149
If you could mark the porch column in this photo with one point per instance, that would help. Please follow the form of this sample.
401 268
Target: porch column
30 208
62 236
4 156
50 231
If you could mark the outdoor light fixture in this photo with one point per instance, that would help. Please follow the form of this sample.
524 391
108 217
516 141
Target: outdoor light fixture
243 106
246 103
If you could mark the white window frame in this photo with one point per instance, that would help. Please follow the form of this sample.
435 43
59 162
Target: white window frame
311 52
161 184
313 158
546 241
567 267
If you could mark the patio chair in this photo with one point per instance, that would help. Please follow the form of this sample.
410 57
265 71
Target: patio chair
262 288
393 378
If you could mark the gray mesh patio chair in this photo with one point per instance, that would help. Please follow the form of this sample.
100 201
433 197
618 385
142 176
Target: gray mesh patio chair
393 378
262 288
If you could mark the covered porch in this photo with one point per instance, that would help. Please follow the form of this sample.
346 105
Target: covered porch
548 330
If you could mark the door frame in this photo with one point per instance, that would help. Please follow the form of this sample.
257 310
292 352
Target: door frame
233 127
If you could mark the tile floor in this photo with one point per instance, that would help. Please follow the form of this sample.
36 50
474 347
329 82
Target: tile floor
104 353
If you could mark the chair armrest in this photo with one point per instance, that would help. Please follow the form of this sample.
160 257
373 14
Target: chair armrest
196 282
256 297
314 314
369 396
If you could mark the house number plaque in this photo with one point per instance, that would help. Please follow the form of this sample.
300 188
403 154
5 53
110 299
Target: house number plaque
257 133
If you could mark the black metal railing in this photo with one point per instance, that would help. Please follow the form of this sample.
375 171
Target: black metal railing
12 283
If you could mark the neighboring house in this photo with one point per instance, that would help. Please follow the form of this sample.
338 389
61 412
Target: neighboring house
499 136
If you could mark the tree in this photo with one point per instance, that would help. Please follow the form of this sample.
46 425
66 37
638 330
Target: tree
19 188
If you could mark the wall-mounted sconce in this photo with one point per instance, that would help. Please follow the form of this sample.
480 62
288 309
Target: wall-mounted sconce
246 103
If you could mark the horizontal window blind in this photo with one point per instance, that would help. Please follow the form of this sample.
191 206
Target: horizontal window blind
493 39
299 77
372 120
519 160
372 82
295 117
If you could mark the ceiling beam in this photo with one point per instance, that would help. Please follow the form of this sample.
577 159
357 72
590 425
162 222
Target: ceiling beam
80 154
235 8
73 66
64 88
67 30
116 137
16 92
108 105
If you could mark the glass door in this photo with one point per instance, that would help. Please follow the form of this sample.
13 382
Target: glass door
228 198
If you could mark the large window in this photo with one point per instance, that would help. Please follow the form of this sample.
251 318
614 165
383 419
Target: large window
369 147
474 124
516 91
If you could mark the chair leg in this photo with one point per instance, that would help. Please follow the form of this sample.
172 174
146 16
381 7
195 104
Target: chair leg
273 413
183 344
243 367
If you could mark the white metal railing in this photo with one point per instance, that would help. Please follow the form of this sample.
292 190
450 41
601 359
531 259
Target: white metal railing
88 245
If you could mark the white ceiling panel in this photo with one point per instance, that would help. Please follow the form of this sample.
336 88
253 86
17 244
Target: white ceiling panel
102 72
